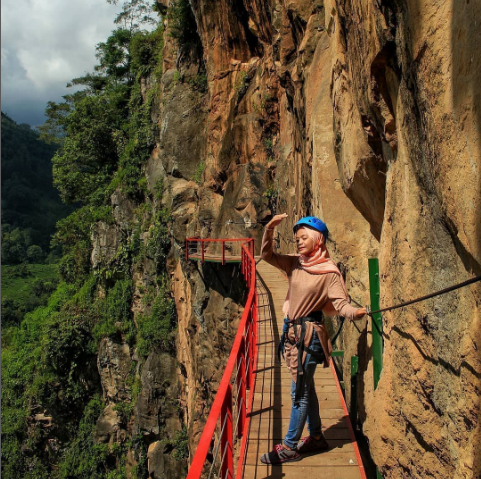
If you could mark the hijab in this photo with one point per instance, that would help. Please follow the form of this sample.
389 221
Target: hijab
317 262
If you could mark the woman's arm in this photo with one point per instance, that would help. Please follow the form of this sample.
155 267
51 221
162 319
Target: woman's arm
340 301
283 262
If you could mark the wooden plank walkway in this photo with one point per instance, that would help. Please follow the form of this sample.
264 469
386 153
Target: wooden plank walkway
272 401
215 258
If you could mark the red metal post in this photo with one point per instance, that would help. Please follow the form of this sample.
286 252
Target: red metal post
186 250
252 348
255 324
202 249
226 445
241 389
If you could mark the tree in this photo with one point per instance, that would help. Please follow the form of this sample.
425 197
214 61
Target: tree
134 13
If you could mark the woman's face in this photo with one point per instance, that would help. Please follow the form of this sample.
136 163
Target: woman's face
305 244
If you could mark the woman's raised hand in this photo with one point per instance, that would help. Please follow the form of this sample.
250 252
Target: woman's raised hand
277 220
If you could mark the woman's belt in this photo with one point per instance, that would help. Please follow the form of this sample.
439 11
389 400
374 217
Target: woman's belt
314 317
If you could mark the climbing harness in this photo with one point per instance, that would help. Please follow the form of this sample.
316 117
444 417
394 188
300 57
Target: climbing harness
333 340
285 331
298 342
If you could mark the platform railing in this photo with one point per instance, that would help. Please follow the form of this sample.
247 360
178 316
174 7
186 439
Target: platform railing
218 250
222 445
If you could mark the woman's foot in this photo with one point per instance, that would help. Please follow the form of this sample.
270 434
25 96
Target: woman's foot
311 444
279 455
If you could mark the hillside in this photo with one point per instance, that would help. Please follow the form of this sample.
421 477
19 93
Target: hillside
31 205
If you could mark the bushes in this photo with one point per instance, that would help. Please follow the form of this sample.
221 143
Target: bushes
146 52
182 23
158 244
84 459
113 313
181 444
73 235
155 330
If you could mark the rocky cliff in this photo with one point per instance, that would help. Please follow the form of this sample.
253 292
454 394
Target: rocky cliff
364 113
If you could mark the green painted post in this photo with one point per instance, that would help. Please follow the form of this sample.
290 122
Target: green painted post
377 345
354 370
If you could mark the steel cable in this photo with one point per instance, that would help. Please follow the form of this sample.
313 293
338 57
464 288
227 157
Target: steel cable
428 296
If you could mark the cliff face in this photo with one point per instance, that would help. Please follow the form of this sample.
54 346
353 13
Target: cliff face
367 114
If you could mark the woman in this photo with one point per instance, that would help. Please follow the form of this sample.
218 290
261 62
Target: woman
315 285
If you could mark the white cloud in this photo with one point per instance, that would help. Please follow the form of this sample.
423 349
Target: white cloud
46 43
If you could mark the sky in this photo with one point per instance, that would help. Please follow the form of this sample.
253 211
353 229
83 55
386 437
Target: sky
45 44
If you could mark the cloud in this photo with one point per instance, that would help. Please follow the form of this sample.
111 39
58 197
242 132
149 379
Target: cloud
44 45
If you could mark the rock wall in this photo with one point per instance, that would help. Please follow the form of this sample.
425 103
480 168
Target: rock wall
367 114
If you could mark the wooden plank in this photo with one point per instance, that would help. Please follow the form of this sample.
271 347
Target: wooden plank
335 446
276 429
285 412
272 383
327 422
301 471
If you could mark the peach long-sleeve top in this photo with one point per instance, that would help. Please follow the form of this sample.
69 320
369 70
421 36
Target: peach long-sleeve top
308 292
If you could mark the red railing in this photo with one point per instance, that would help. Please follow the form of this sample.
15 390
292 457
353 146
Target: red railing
222 250
228 420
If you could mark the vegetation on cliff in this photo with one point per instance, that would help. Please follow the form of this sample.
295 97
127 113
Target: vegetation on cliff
52 394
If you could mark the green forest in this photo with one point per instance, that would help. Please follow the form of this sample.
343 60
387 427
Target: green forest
98 141
31 207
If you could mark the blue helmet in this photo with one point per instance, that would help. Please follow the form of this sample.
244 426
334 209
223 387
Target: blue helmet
314 223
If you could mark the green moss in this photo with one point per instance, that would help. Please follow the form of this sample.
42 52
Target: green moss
199 82
181 444
124 409
199 172
271 192
269 145
241 82
159 189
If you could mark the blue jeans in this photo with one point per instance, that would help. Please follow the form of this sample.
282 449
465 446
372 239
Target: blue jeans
308 406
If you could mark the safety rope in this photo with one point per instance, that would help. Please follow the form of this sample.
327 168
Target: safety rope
428 296
333 340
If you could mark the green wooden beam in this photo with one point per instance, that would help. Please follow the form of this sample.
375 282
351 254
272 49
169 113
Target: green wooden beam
377 342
